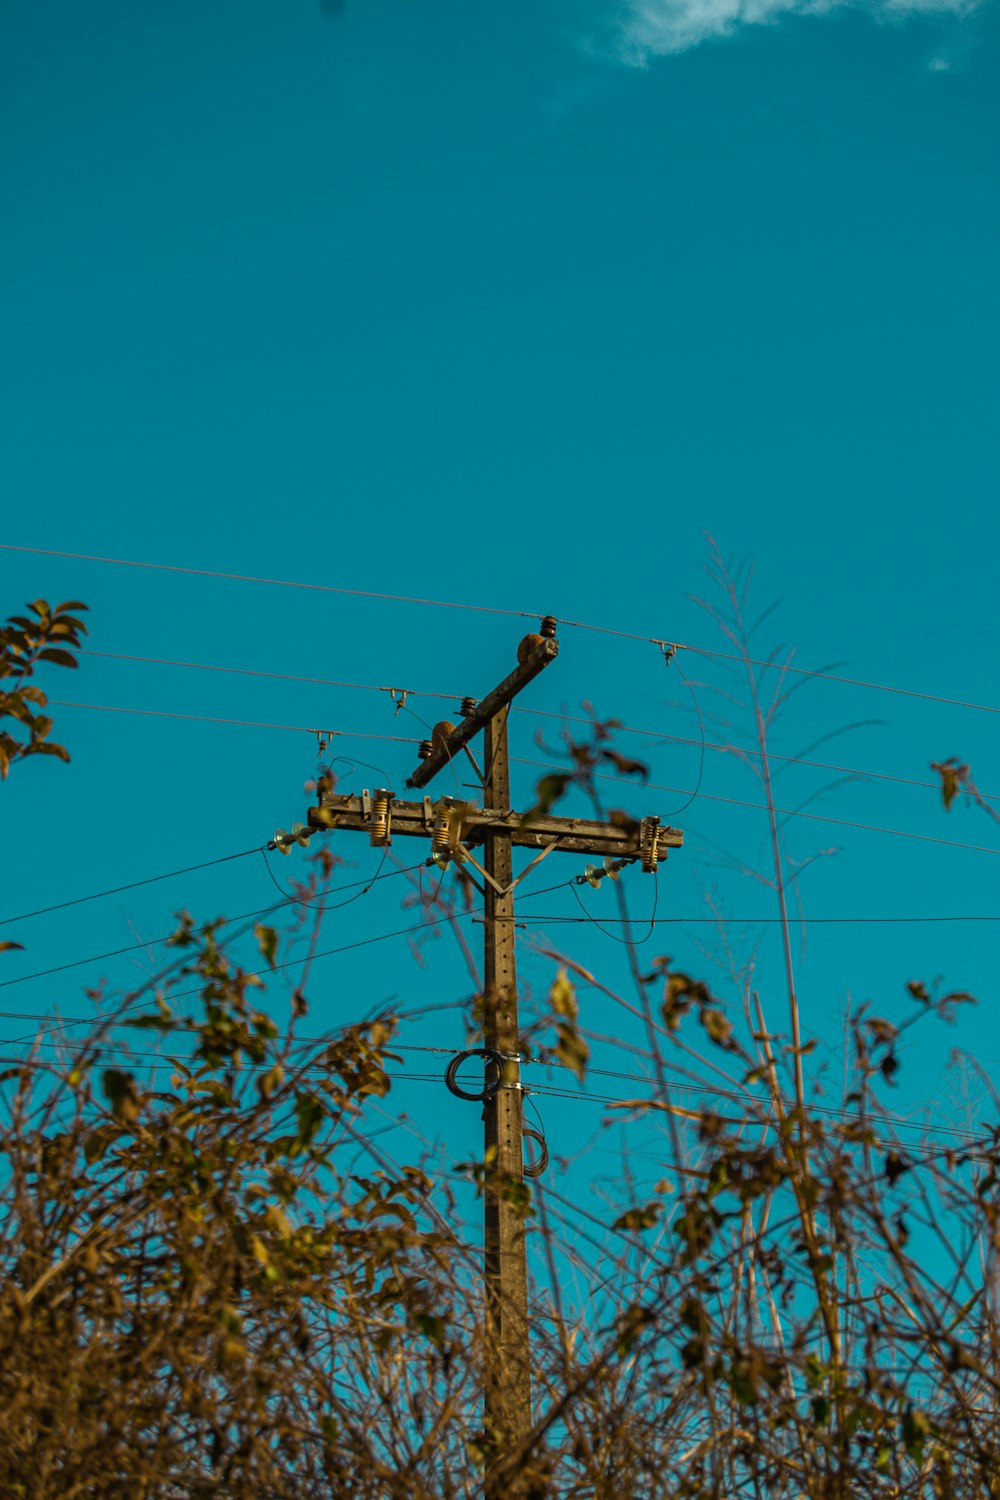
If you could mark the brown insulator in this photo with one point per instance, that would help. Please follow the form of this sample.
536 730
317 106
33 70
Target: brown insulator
424 749
548 627
467 707
527 648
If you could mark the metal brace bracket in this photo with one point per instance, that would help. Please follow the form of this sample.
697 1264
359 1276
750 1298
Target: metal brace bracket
506 890
475 766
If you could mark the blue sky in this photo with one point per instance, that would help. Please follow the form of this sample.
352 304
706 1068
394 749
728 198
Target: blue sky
505 306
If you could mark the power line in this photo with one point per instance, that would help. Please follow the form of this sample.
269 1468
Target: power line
785 812
739 751
878 687
283 583
288 900
160 713
752 921
326 588
371 687
201 666
290 963
132 885
414 692
731 1096
655 786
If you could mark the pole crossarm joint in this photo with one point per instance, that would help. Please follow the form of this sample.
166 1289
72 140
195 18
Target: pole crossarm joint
444 750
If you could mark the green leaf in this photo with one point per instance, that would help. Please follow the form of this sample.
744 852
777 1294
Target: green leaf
269 1081
267 941
547 793
742 1382
58 657
625 765
122 1094
571 1050
562 996
8 946
718 1027
150 1023
98 1141
820 1410
309 1113
432 1328
916 1430
953 776
639 1217
58 751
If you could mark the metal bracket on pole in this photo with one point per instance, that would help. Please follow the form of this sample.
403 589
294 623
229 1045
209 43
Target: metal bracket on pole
506 889
475 765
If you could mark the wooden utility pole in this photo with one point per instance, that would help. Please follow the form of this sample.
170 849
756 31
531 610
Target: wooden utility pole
455 828
508 1388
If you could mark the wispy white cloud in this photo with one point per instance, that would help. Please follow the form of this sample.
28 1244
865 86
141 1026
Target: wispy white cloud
656 28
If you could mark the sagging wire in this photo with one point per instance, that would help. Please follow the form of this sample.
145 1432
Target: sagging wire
324 737
625 942
324 906
670 650
538 1166
261 911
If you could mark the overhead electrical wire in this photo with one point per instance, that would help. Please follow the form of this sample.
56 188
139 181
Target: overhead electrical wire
702 747
288 900
201 666
308 958
739 751
132 885
160 713
731 1096
784 812
535 919
745 921
675 739
523 614
283 583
